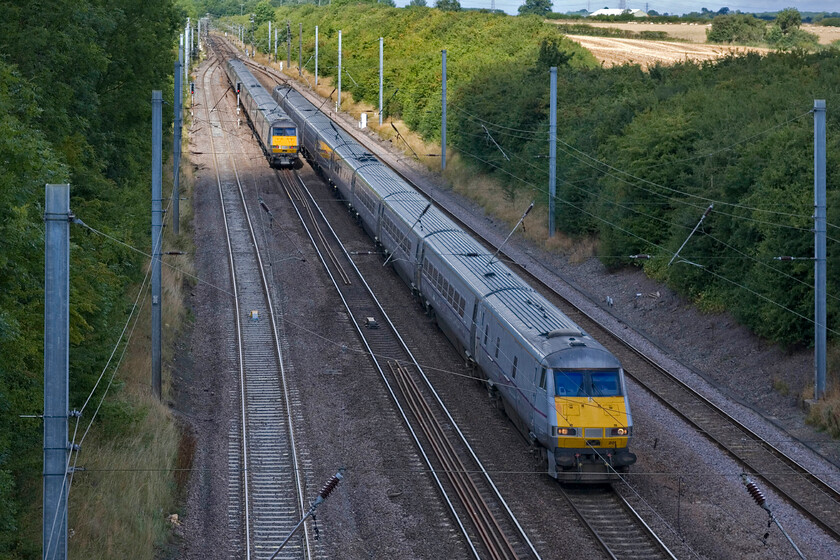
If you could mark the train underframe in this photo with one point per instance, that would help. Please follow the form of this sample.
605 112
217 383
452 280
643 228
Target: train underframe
285 161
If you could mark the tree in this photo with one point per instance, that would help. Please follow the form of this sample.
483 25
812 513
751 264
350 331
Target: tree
535 7
418 3
448 5
788 20
738 28
263 12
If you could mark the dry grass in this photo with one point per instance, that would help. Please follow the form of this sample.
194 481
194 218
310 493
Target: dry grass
119 506
825 414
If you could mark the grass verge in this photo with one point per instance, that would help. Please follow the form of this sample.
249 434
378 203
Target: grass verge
135 455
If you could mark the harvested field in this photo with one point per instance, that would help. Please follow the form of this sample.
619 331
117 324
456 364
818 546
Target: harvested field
612 52
696 33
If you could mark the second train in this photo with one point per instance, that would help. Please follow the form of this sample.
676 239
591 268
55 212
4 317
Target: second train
275 131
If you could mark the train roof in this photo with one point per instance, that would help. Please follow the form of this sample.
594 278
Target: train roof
540 324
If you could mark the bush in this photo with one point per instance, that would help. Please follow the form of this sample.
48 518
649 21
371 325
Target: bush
739 28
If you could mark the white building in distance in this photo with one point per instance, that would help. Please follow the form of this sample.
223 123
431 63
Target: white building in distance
618 12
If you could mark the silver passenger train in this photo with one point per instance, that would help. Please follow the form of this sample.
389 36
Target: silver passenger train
561 388
275 132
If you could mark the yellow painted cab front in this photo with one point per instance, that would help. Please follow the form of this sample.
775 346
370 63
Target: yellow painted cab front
593 425
284 140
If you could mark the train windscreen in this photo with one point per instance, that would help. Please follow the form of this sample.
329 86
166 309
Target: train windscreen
283 131
586 383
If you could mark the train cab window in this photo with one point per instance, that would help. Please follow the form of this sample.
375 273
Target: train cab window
569 384
542 378
498 341
513 369
587 383
605 384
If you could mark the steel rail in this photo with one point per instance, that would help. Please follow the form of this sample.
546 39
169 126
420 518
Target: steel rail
393 388
253 401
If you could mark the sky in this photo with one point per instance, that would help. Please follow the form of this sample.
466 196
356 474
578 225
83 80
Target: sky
661 6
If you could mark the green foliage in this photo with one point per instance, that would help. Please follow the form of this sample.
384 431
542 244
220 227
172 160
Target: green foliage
74 90
263 12
830 22
641 155
786 35
414 38
788 20
535 7
448 5
418 3
738 28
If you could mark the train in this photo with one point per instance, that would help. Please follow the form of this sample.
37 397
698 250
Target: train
276 133
563 390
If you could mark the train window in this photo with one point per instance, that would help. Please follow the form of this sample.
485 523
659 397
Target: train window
498 340
569 384
605 383
486 332
513 369
587 383
542 378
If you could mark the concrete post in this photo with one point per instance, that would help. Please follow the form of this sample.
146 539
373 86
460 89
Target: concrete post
819 250
380 80
316 55
552 151
176 145
56 369
268 47
338 103
443 115
157 108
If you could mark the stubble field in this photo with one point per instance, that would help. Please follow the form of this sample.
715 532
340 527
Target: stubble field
612 51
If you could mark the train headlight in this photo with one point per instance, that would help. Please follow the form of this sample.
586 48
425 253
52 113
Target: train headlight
620 432
566 431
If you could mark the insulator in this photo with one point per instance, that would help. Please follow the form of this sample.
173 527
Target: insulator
330 486
756 493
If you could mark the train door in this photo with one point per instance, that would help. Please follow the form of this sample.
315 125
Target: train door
481 334
473 345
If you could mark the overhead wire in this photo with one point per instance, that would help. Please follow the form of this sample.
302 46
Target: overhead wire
599 218
570 150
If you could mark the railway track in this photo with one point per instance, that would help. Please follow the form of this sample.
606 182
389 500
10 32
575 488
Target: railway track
489 526
266 490
486 536
804 490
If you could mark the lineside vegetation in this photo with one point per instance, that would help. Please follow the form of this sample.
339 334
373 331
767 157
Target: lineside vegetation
75 86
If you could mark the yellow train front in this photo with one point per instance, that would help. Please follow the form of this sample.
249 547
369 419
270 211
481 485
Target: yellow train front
284 146
590 418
